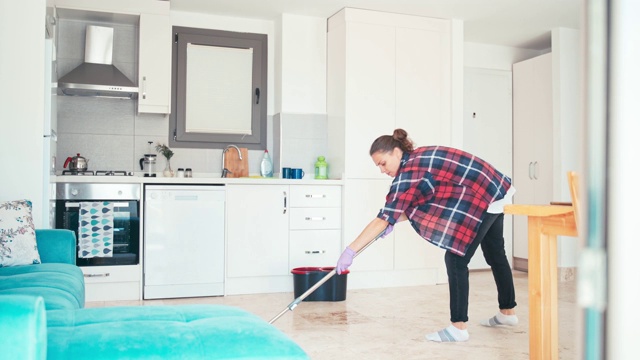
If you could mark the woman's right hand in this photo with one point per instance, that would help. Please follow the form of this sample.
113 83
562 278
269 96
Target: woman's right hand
345 260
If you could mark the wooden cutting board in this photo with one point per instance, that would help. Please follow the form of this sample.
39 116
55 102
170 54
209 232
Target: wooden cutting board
237 167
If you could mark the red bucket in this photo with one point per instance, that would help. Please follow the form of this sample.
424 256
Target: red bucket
335 289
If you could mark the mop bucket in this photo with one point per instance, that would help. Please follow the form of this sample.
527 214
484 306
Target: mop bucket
335 289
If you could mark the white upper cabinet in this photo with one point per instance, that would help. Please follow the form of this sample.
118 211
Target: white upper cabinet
386 71
154 68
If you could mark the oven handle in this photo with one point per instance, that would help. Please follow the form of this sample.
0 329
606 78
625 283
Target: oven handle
75 204
97 275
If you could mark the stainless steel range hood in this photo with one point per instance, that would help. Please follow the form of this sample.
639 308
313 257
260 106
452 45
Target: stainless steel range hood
97 76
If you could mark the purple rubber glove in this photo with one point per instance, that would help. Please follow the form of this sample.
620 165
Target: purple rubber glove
345 260
387 231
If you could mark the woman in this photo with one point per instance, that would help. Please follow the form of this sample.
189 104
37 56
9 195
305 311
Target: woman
453 200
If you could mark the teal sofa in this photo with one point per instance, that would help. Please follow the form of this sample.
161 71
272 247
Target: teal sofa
58 280
32 329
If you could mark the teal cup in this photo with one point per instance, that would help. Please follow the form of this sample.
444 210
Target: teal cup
286 173
297 173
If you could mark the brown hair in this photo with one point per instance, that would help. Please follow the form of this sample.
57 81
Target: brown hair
386 143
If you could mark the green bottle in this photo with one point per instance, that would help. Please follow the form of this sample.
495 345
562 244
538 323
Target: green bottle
321 168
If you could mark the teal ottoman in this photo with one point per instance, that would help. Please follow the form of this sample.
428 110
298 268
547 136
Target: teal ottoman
165 332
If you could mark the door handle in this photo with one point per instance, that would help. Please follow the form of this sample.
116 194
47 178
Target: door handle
530 165
535 167
284 194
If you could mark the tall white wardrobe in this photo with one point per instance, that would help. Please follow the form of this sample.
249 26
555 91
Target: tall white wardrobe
386 71
546 137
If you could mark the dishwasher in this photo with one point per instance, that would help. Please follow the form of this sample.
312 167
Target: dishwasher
183 241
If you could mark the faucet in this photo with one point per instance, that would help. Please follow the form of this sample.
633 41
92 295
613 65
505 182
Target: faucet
226 171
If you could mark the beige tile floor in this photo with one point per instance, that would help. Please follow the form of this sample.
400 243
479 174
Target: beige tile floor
390 323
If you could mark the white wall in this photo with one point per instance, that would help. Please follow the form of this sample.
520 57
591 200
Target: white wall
496 57
567 145
22 102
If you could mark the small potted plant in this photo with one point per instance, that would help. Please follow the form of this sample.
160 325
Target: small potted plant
167 153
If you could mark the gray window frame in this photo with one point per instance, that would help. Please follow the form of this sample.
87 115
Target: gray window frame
178 137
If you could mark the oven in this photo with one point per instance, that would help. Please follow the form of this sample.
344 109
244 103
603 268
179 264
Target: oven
105 218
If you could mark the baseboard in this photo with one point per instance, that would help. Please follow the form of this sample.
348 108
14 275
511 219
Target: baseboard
564 273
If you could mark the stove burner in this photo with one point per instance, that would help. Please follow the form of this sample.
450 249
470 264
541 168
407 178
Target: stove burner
110 173
77 172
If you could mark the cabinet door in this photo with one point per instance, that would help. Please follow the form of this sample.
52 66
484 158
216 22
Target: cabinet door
532 141
154 71
422 80
362 202
370 94
257 230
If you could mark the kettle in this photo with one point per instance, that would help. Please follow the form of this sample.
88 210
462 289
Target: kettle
77 163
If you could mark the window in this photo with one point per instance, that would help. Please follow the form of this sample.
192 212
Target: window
219 81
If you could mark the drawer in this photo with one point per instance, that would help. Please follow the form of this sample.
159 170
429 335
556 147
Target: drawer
112 291
314 248
316 196
108 274
314 218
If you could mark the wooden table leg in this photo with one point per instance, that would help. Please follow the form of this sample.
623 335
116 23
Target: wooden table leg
543 291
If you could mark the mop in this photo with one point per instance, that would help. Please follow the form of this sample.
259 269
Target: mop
300 298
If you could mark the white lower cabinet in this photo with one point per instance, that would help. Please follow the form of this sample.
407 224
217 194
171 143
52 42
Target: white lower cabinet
257 238
274 228
112 283
315 236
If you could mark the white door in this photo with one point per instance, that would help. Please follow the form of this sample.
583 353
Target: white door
257 230
487 125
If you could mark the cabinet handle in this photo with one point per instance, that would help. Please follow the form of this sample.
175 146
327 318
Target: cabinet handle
97 275
284 194
316 218
535 168
530 176
315 196
144 87
315 252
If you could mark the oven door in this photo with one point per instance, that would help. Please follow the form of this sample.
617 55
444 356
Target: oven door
107 232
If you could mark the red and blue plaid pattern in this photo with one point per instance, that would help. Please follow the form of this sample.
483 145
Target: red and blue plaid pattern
444 193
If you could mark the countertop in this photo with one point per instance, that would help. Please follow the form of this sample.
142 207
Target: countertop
197 179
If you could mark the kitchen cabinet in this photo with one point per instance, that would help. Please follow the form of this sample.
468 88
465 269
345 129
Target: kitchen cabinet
112 283
154 67
532 142
385 71
315 223
257 231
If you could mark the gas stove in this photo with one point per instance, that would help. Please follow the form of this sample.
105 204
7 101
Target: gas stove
97 173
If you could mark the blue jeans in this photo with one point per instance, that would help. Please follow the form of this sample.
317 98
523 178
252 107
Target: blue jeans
491 240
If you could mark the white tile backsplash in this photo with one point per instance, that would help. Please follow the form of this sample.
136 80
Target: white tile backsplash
302 138
104 152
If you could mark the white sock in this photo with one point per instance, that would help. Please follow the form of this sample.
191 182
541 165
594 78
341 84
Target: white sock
500 319
449 334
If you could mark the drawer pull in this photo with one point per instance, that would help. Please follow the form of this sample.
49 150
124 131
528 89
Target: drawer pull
315 218
97 275
315 196
315 252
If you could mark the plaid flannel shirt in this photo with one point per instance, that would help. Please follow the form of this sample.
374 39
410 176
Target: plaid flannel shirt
444 192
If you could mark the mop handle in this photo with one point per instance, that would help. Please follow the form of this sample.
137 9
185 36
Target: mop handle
299 299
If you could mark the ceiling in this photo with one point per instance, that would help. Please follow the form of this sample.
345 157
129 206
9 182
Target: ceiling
517 23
